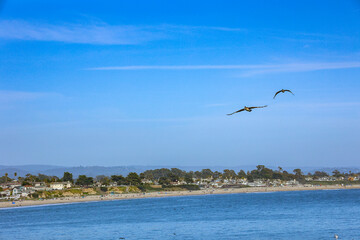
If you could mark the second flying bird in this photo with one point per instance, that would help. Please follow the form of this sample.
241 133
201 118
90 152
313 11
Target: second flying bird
249 109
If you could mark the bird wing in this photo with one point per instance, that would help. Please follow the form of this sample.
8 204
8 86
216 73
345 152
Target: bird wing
258 107
276 94
236 111
289 91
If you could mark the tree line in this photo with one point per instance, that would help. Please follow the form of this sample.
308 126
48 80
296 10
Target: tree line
165 176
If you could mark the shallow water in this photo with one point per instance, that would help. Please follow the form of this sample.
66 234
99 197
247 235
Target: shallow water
277 215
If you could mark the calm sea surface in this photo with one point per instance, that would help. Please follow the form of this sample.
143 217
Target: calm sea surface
278 215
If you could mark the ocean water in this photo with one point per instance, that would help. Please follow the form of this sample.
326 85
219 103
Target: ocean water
277 215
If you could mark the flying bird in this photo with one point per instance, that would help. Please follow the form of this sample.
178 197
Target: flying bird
282 91
249 109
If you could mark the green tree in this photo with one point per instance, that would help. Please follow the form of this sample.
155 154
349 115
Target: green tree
198 174
178 172
30 178
68 177
133 178
173 178
188 178
277 175
287 176
157 173
24 183
319 174
249 176
298 173
164 181
336 173
104 180
262 172
119 180
229 174
242 174
206 173
83 180
217 175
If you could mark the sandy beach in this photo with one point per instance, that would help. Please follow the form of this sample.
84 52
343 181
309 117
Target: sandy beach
90 198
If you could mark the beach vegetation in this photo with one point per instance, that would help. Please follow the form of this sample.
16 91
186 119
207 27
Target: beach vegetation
133 189
34 195
74 191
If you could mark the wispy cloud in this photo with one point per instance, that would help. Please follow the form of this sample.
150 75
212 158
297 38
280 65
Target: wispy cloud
307 37
14 96
250 69
201 28
97 33
303 67
100 33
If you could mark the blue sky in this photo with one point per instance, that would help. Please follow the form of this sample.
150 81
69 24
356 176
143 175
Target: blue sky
150 83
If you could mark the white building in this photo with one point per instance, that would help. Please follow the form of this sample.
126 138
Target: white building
256 183
21 192
5 193
60 185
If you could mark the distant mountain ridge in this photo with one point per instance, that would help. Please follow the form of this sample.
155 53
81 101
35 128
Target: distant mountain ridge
94 171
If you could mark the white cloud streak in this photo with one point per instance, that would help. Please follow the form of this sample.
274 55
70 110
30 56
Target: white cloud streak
250 69
98 33
302 67
76 33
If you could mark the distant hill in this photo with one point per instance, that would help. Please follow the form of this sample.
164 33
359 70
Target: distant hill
94 171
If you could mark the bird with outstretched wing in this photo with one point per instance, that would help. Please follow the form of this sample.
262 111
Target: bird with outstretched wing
249 109
282 91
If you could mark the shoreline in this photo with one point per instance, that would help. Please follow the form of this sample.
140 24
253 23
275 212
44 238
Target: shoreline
99 198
